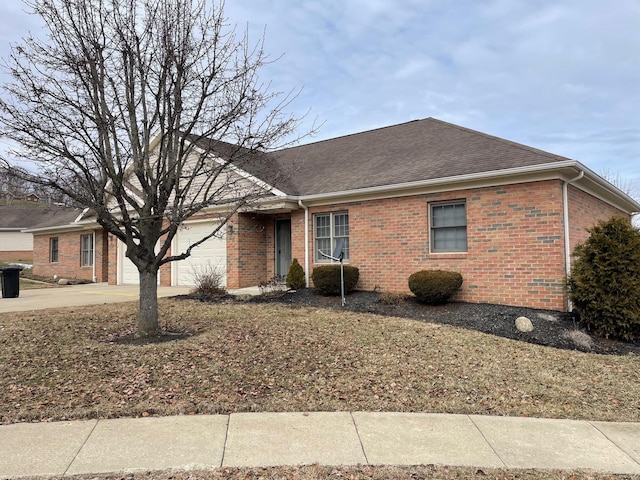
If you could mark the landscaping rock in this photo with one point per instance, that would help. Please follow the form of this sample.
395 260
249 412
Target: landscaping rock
244 297
63 281
580 338
523 324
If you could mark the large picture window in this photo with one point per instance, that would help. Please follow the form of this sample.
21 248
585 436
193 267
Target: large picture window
328 229
53 249
448 226
86 250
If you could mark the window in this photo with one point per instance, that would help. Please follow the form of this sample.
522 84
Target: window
53 249
448 226
86 250
329 228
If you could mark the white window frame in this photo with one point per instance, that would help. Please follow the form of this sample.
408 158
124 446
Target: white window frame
333 235
432 229
86 251
52 250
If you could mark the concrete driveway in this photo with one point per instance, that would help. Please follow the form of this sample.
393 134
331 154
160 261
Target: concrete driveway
77 295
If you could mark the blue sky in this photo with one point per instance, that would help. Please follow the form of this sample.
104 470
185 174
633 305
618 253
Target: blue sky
560 75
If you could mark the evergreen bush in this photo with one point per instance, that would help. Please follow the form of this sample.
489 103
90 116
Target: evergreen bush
295 276
604 284
434 286
326 279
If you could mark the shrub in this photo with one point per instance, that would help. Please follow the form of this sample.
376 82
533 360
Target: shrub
604 284
434 286
326 279
295 276
393 298
209 281
273 286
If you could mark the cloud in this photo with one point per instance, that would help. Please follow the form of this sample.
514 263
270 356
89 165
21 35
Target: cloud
560 76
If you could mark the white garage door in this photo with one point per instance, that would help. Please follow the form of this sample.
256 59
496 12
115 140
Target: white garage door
211 254
127 271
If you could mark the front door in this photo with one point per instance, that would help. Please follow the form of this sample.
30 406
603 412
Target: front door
283 247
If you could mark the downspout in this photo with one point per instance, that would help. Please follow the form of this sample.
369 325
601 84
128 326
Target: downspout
567 243
93 249
306 242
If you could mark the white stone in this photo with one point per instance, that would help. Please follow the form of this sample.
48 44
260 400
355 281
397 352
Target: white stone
63 281
523 324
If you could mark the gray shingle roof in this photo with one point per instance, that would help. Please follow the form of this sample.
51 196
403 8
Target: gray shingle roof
418 150
12 217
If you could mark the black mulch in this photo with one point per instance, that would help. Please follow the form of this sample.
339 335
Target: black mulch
551 328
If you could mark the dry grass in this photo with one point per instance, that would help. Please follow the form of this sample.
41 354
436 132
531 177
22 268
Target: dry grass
28 284
66 364
316 472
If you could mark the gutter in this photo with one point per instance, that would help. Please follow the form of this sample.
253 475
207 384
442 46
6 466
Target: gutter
567 243
306 242
546 167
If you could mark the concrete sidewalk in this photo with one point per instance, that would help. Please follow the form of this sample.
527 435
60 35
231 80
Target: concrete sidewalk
326 438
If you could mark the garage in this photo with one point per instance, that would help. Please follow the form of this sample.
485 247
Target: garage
212 254
127 271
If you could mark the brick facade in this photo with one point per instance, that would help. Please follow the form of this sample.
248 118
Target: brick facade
515 243
69 257
24 256
247 245
584 212
515 237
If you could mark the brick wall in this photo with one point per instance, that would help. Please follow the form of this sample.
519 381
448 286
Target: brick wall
24 256
68 264
247 249
584 212
515 238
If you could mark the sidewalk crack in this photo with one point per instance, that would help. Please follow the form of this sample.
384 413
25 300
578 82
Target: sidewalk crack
66 470
364 453
615 444
487 440
226 437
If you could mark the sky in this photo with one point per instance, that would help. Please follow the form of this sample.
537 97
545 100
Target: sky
559 75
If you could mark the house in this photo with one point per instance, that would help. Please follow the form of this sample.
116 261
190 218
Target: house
16 242
420 195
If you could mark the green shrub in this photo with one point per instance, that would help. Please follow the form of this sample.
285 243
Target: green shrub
605 280
326 279
434 286
295 276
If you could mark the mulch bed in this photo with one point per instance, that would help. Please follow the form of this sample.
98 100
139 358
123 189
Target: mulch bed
551 328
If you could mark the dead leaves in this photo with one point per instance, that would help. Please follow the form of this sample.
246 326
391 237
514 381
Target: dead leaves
248 357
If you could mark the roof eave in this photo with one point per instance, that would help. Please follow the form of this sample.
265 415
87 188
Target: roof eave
562 170
69 227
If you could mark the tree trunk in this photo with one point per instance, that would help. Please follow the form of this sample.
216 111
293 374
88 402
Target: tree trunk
148 320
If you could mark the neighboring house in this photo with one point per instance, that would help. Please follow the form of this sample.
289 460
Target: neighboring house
421 195
16 244
68 245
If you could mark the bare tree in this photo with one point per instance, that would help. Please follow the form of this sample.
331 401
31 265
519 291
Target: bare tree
141 110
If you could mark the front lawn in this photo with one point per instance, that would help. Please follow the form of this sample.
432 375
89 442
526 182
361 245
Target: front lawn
78 363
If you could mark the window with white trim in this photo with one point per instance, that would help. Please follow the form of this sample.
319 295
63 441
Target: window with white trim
328 229
86 250
53 249
448 226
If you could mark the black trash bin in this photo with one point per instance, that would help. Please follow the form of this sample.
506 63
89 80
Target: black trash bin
10 282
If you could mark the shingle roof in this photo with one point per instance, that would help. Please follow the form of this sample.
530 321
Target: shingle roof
418 150
12 217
